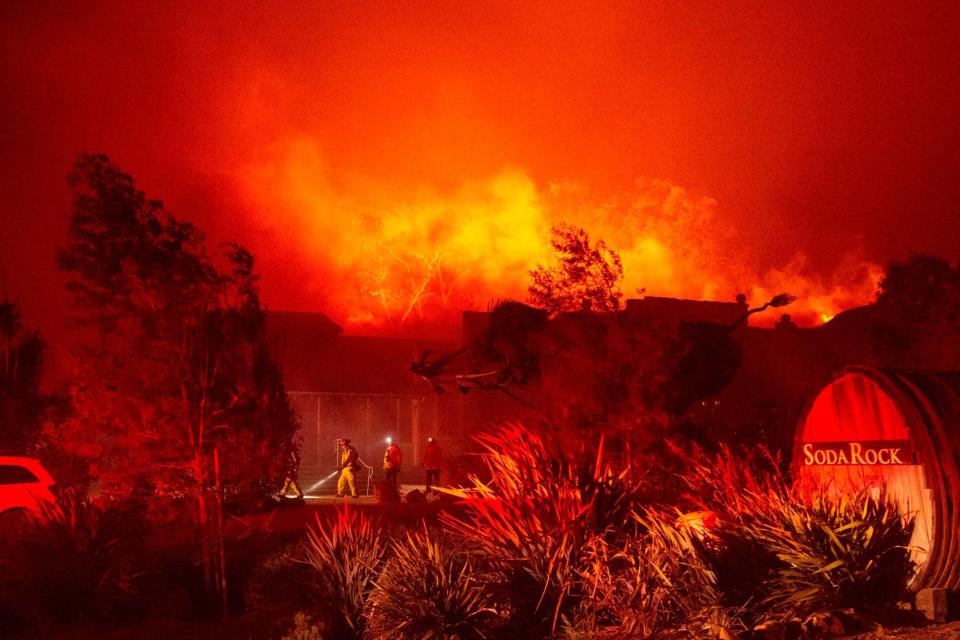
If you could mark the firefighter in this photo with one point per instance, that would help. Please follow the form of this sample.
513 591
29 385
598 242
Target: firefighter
432 457
392 459
349 464
290 482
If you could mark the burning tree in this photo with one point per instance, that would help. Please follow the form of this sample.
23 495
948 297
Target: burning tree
407 284
585 276
174 392
585 367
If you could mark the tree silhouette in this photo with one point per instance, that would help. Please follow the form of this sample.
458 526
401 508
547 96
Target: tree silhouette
585 276
173 391
917 322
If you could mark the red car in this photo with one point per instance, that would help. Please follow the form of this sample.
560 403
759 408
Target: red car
24 486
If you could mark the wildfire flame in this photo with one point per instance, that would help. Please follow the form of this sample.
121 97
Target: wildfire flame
382 259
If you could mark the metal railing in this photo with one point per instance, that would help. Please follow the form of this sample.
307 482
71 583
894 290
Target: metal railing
369 471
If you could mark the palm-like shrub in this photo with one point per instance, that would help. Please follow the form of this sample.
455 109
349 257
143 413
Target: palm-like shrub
532 522
739 489
348 555
428 591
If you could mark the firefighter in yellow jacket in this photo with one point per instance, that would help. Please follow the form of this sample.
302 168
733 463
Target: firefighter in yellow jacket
292 463
349 464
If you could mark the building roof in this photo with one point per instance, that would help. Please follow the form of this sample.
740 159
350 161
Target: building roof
316 358
300 323
679 310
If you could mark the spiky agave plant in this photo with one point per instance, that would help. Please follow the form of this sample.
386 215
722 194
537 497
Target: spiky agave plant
784 550
347 554
532 541
837 552
428 590
532 521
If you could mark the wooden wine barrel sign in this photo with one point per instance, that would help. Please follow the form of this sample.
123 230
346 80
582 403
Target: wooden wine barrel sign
899 431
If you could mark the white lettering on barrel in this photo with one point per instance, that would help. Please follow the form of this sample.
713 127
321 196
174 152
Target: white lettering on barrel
850 453
855 453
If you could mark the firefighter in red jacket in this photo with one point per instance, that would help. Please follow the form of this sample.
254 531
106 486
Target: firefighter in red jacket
392 459
432 458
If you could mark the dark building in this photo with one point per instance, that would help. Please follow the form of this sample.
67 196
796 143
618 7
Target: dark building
361 386
782 368
675 310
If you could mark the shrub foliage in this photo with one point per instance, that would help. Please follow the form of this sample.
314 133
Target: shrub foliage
70 566
348 555
553 547
428 590
533 522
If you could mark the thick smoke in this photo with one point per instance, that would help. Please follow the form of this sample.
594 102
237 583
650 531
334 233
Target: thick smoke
390 259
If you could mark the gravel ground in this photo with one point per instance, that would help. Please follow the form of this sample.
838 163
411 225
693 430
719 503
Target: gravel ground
949 631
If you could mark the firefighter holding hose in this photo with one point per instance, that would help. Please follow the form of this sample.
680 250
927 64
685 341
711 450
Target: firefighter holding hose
349 464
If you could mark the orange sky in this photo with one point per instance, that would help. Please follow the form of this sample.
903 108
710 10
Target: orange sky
799 145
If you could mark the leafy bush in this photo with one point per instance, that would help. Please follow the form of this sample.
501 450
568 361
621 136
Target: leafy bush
732 484
428 590
69 565
347 555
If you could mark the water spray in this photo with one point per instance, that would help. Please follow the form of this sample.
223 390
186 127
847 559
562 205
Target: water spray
320 482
